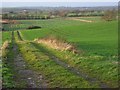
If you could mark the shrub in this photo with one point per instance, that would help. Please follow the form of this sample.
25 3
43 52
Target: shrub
34 27
109 15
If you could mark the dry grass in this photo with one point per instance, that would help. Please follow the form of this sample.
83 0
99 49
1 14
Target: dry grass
5 45
6 21
78 19
57 43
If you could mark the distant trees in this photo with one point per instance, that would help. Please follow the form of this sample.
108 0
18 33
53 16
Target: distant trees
110 15
63 13
40 14
82 13
5 16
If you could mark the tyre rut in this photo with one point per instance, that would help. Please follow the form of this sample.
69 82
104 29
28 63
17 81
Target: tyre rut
69 68
31 78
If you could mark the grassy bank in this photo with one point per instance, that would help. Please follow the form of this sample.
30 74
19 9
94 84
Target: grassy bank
105 69
7 67
56 75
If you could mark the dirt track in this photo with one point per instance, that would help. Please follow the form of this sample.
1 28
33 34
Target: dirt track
71 69
31 78
35 80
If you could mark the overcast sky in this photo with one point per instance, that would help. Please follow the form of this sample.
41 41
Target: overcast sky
57 3
60 0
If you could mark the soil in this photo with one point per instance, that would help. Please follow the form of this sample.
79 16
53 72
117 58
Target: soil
30 78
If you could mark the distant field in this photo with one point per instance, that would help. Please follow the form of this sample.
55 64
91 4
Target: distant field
98 37
94 38
96 19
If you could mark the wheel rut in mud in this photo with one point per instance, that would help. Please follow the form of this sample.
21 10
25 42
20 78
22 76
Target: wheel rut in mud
31 78
71 69
67 66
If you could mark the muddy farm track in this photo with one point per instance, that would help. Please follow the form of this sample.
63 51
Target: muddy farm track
26 77
31 78
65 65
71 69
66 52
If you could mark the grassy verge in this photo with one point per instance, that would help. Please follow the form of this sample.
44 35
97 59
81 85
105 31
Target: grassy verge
7 67
6 36
56 75
10 77
103 68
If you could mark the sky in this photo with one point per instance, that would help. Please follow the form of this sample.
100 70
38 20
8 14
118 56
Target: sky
60 0
58 3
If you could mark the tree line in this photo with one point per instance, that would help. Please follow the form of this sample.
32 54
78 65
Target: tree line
107 15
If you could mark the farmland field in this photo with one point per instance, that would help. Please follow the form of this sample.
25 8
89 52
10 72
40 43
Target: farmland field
87 36
97 42
6 36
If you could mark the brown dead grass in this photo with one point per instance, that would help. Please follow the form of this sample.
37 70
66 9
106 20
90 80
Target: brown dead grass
9 21
78 19
57 43
5 45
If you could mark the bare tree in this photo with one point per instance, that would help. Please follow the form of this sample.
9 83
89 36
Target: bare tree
63 13
110 15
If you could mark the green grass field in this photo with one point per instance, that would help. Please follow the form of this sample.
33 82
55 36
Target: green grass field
94 38
97 40
6 36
